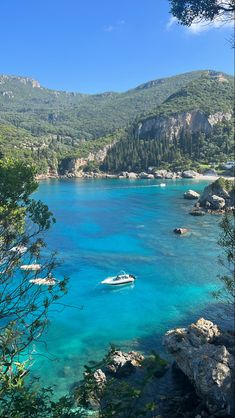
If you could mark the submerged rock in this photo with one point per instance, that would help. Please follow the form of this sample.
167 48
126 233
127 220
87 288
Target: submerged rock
191 194
181 231
209 365
197 212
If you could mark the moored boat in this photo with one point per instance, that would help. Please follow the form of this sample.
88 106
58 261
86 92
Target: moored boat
121 279
48 281
30 267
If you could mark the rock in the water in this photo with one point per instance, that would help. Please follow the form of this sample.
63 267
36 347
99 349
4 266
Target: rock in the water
122 364
209 366
143 175
189 174
181 231
170 175
197 212
191 194
218 196
131 175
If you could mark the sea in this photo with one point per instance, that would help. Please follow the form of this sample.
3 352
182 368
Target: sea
104 226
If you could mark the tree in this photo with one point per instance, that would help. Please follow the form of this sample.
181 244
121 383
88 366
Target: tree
194 11
24 306
227 242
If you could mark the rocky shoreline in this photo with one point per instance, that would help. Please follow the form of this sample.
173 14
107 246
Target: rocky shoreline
202 370
159 175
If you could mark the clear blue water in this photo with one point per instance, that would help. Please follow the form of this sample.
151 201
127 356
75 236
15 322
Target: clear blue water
104 226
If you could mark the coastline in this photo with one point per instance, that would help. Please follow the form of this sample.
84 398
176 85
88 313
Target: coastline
95 176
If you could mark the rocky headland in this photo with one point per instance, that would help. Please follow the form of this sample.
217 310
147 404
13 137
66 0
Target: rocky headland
205 354
201 376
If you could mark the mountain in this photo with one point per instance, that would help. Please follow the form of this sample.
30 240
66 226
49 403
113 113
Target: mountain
194 123
46 126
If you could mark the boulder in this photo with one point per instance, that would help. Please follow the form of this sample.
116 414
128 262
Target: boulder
181 231
207 364
191 194
150 176
122 364
143 175
218 196
131 175
216 202
189 174
159 174
210 172
170 175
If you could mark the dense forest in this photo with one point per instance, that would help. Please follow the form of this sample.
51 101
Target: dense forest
139 154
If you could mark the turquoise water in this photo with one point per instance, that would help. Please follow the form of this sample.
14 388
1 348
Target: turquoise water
104 226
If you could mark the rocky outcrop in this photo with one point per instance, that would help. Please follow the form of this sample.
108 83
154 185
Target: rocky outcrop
218 196
191 194
121 364
202 354
171 126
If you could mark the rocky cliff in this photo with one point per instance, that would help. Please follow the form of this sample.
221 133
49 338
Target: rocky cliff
171 126
205 354
218 196
73 166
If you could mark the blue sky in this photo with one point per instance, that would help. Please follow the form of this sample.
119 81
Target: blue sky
107 45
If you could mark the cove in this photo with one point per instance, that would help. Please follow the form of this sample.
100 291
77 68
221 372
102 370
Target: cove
104 226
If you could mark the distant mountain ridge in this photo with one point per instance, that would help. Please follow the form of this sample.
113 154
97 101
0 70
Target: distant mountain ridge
47 125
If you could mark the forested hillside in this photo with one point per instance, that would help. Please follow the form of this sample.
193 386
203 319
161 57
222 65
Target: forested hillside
46 126
194 124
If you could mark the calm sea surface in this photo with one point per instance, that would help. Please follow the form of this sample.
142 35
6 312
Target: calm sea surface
104 226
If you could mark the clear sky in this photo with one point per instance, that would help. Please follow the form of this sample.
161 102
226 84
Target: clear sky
101 45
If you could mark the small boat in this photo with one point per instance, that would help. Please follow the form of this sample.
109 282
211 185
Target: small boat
19 249
47 281
162 184
30 267
121 279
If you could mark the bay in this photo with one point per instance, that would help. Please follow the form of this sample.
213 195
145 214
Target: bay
104 226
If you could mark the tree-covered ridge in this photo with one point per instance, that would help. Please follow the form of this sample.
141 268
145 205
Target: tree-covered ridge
25 104
210 94
45 126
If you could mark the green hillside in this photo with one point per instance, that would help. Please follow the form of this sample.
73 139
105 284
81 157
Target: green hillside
45 125
209 94
43 112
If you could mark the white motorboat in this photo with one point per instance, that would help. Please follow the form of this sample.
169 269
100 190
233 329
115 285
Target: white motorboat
162 184
30 267
121 279
19 249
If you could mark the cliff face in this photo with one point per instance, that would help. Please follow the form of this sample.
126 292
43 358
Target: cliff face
170 126
74 166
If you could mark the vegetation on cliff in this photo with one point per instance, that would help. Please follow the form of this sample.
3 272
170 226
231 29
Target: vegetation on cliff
44 126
